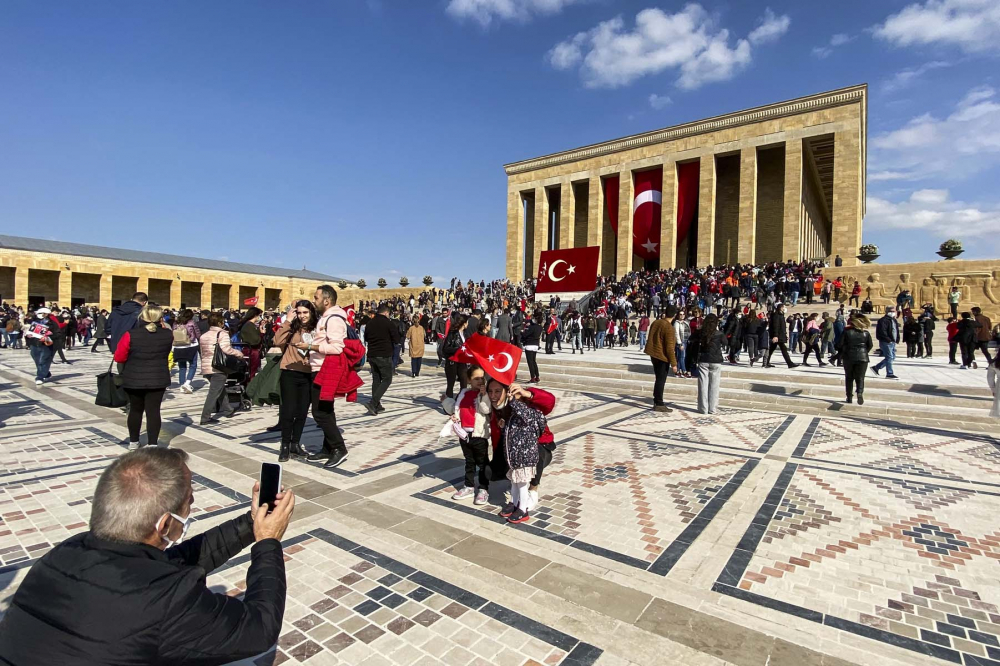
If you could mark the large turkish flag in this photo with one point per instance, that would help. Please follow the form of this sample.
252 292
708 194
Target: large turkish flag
573 269
646 208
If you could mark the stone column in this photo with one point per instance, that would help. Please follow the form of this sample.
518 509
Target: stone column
105 288
747 233
541 228
668 216
847 196
206 295
625 188
65 298
567 220
21 286
791 227
175 294
234 297
706 212
515 236
142 284
595 215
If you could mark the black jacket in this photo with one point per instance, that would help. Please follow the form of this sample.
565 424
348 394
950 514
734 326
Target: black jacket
887 329
123 318
91 602
381 334
532 333
146 366
854 345
710 351
778 327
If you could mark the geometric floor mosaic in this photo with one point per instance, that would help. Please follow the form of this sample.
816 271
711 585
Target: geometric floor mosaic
635 501
896 559
730 428
353 602
937 454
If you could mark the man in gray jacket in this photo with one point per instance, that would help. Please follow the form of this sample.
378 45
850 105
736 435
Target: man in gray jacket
504 331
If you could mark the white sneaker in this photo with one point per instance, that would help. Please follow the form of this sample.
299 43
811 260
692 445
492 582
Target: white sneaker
38 382
482 497
187 388
464 493
132 446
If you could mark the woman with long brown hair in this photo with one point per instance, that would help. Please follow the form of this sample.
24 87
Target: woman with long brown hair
296 377
711 342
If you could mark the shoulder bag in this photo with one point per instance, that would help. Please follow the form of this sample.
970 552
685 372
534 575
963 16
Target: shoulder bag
228 364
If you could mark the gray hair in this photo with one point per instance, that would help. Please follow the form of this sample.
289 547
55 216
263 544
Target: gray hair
135 490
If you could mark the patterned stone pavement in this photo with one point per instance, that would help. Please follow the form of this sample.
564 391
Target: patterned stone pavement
749 537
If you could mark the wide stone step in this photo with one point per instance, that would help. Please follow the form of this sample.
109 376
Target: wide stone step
909 392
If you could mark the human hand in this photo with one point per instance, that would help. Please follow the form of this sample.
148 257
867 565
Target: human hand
301 345
774 339
255 499
273 525
454 418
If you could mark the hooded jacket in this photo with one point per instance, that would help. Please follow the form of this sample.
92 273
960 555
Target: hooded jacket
123 318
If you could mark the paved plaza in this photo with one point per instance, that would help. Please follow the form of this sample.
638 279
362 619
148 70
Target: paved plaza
752 537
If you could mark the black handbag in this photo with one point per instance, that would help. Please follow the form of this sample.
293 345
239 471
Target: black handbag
109 393
227 364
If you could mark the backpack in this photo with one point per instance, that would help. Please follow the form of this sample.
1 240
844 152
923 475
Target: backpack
181 337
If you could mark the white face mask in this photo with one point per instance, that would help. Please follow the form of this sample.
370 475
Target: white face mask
185 524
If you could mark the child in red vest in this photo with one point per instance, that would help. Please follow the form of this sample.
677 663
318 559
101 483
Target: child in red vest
472 415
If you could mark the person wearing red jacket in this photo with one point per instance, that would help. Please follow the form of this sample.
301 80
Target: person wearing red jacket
544 402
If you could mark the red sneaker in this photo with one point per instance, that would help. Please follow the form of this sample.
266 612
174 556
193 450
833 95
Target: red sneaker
518 517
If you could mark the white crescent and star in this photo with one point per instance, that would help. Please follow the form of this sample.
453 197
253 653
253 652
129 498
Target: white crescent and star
552 269
647 196
510 360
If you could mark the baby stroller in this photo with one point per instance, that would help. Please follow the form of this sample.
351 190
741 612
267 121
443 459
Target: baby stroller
236 383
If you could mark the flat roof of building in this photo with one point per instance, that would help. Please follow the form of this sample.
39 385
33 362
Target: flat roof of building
849 95
119 254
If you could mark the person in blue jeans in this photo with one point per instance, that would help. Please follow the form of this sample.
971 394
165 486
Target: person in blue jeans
38 335
887 334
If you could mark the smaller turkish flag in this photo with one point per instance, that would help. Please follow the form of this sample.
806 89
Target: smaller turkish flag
563 271
498 359
250 301
463 355
350 314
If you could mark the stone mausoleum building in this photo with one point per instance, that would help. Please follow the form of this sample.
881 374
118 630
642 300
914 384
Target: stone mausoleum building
34 271
776 182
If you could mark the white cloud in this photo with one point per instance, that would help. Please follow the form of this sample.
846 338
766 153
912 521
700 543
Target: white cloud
837 40
966 141
905 77
659 101
934 212
611 55
485 12
770 29
972 25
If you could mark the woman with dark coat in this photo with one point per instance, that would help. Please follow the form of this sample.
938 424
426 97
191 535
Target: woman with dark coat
913 333
100 330
531 337
711 342
251 336
852 349
142 354
452 344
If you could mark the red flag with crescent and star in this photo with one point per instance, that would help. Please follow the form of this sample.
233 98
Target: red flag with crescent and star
350 314
463 355
573 269
498 359
646 208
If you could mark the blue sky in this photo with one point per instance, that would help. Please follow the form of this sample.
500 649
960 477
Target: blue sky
367 138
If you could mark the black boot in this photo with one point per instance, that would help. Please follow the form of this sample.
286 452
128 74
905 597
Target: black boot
298 450
283 452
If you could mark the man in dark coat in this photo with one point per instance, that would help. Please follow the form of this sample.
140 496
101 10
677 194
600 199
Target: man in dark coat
505 330
779 336
123 318
887 334
126 593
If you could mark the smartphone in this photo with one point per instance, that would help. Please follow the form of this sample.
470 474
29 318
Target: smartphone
270 484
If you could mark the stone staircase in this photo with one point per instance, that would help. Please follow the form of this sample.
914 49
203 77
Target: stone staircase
779 389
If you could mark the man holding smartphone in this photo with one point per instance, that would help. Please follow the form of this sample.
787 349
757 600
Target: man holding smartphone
132 590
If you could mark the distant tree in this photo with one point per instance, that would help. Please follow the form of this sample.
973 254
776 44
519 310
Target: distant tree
342 284
404 281
428 280
382 283
361 283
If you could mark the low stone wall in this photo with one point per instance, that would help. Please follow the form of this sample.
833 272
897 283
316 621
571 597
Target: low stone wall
930 282
353 295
